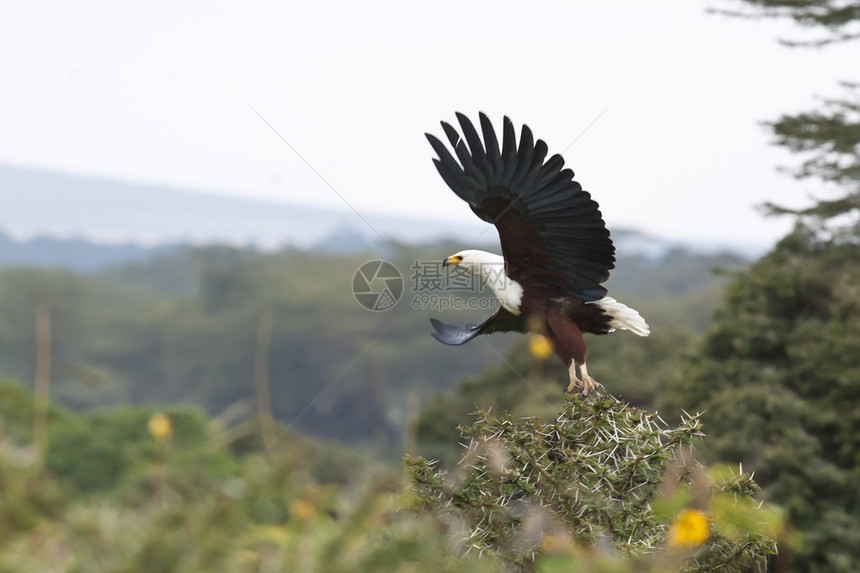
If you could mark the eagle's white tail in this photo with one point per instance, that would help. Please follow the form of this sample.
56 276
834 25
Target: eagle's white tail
623 316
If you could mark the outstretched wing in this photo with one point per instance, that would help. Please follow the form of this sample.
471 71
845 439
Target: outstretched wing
552 234
500 321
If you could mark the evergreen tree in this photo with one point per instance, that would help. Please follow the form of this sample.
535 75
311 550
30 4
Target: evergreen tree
778 377
838 17
778 374
828 138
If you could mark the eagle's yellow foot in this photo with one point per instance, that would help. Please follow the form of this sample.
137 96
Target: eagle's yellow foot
587 384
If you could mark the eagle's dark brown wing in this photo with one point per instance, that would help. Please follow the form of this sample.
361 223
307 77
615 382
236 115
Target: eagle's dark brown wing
553 237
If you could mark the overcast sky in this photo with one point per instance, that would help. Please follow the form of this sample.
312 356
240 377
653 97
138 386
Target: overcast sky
168 92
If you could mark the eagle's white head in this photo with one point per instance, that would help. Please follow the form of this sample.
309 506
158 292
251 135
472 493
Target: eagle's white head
477 262
491 268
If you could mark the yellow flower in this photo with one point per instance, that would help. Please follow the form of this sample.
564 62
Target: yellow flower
690 529
160 427
554 543
301 509
540 346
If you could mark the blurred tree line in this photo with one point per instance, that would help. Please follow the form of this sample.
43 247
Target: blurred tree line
184 328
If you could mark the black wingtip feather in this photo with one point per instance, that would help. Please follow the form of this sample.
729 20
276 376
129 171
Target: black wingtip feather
509 151
451 134
491 143
476 147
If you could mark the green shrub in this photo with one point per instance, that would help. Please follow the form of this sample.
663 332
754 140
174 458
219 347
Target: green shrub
603 475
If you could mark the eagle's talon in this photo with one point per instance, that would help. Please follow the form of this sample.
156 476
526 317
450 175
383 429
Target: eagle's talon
590 385
583 386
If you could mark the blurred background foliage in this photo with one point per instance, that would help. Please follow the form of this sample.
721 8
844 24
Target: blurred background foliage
144 489
183 328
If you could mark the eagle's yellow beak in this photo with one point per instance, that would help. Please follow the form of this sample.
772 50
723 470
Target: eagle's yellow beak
453 260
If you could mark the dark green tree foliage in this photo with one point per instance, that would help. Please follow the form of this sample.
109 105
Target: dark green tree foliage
829 139
779 373
838 17
778 376
602 474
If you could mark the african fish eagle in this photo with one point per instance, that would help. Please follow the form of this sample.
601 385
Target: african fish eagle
555 246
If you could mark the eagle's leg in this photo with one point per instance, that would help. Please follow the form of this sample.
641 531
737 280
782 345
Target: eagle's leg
574 381
587 384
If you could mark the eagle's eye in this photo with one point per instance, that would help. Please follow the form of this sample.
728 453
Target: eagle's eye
459 258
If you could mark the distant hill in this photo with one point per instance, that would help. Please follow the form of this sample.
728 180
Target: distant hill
87 256
74 254
85 224
42 203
